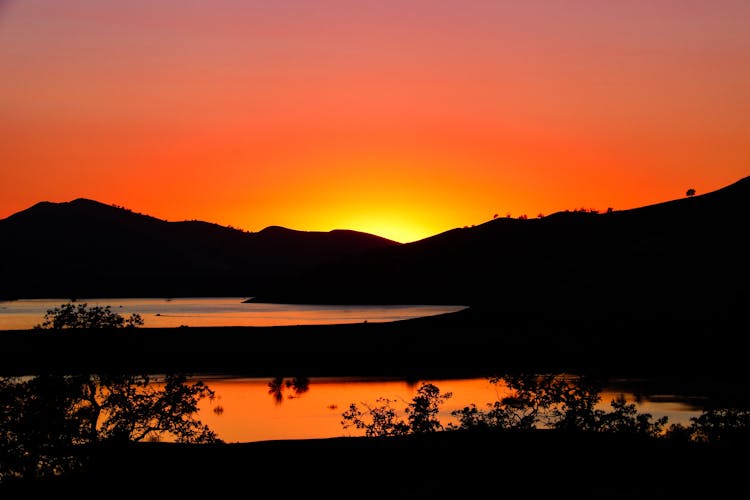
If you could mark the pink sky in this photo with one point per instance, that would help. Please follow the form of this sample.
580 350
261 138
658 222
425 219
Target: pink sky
402 118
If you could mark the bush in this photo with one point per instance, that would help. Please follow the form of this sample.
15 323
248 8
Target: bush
383 420
82 316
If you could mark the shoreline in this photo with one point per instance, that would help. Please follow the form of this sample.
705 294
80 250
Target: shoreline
460 344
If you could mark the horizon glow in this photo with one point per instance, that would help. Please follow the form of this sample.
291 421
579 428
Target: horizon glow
398 118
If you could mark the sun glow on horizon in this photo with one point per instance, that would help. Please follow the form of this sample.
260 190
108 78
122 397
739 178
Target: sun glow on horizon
402 119
396 229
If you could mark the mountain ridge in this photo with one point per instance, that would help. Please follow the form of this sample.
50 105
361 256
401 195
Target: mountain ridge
673 261
88 248
614 260
88 203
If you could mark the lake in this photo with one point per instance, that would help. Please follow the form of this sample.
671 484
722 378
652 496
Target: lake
251 409
259 409
219 311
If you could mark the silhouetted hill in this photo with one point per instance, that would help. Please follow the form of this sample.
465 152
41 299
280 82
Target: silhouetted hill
84 248
682 259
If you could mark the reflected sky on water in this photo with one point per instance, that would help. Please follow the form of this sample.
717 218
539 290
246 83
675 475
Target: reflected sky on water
219 311
251 409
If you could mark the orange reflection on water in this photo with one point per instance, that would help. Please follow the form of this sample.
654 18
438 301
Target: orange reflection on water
253 409
220 311
250 411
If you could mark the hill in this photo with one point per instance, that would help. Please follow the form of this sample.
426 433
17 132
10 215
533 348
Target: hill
678 262
681 259
84 248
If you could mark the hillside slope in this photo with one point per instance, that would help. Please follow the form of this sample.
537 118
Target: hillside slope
685 258
84 248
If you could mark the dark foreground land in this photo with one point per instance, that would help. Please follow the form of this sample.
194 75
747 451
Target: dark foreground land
472 342
535 464
659 291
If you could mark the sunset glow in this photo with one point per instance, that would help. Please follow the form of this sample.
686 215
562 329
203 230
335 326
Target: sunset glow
400 118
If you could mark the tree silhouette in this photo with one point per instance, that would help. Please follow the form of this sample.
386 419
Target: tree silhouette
382 420
559 402
81 316
536 401
135 407
716 425
47 421
424 407
690 192
36 431
378 420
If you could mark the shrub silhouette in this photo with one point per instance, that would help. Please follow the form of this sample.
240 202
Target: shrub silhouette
81 316
382 420
423 409
716 425
375 421
550 401
557 402
546 401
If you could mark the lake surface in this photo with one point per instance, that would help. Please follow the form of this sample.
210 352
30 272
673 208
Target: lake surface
251 409
259 409
219 311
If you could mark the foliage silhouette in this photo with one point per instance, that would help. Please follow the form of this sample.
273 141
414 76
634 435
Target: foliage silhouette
43 419
535 401
375 420
423 410
46 421
714 426
551 401
558 402
382 420
37 427
81 316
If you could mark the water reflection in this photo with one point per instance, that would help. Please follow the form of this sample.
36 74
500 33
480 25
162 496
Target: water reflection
256 409
221 311
545 401
292 387
46 422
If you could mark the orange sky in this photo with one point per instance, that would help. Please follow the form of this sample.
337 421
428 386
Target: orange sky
401 118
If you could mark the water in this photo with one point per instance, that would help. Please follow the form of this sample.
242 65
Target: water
219 311
251 409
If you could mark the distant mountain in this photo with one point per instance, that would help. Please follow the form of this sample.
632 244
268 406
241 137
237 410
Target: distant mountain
84 248
683 260
687 257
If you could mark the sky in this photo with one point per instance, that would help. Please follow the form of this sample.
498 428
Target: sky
402 118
